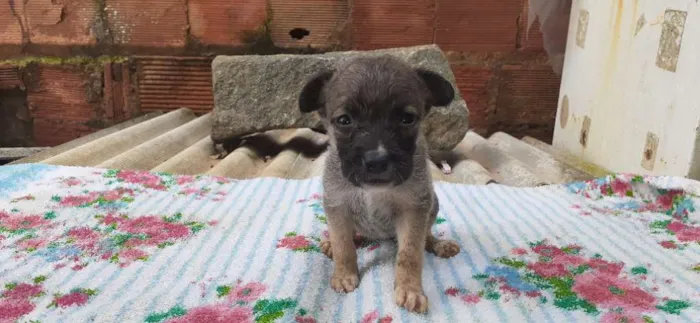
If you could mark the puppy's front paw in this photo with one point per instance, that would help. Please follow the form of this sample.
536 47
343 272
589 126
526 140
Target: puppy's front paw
344 282
412 299
445 248
326 248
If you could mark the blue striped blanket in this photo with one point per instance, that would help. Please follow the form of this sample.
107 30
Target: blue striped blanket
96 245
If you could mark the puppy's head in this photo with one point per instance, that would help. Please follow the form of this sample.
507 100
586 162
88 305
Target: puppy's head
373 108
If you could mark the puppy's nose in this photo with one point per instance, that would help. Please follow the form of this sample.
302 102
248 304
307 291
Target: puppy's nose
376 161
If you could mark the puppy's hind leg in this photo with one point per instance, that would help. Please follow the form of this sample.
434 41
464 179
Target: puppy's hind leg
440 247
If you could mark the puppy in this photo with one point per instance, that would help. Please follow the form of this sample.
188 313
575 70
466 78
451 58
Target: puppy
376 181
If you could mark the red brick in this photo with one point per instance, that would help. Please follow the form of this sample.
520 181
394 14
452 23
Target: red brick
477 25
10 29
225 22
533 39
474 84
323 19
61 93
392 23
52 132
527 100
152 23
61 103
61 22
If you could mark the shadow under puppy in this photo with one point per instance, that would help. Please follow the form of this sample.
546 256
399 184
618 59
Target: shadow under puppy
376 180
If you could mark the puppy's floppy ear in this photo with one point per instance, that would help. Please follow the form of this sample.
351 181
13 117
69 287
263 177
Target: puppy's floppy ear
310 97
441 91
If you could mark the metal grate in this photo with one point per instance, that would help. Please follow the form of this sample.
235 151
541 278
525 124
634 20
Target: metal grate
9 78
170 83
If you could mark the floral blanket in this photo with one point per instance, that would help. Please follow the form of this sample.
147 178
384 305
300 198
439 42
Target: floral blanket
95 245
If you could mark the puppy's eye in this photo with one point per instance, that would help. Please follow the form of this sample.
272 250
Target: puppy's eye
407 118
343 120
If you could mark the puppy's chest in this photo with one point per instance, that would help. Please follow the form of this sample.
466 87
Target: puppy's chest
375 214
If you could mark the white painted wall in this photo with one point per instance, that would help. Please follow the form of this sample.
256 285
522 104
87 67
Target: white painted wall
616 81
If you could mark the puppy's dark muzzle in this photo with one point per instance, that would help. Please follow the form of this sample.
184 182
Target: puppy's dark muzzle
377 166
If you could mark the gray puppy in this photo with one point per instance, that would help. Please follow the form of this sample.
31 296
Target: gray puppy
376 180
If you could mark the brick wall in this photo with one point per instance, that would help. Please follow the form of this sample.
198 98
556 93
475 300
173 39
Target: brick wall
502 74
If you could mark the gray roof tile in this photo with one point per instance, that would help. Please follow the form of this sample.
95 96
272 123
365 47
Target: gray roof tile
179 142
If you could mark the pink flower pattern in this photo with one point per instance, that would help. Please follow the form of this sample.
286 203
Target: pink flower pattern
575 281
76 297
116 238
19 299
111 236
603 288
374 317
247 293
216 313
664 211
612 291
241 302
14 223
119 239
296 243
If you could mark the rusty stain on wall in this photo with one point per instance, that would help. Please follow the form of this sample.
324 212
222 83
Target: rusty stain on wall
585 131
671 38
564 116
611 59
649 153
640 24
582 29
617 26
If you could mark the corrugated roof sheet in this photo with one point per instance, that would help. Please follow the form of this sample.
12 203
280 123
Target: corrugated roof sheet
179 142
